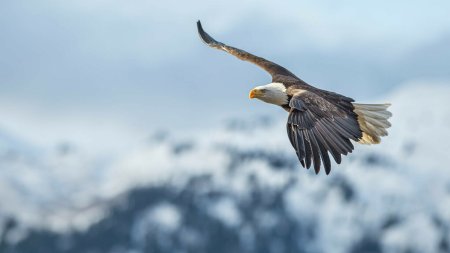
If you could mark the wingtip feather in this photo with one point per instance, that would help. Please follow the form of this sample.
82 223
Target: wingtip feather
201 32
199 26
206 38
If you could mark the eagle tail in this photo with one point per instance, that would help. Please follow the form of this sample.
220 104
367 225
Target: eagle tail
373 121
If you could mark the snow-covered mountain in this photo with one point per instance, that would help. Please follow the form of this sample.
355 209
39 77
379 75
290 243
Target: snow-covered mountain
237 189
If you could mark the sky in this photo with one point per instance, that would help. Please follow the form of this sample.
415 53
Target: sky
106 74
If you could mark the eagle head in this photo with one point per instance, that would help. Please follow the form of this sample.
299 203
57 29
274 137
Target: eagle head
273 93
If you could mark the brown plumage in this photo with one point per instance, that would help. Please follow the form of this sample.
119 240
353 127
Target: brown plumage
320 122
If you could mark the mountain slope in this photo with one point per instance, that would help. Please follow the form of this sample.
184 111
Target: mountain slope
241 189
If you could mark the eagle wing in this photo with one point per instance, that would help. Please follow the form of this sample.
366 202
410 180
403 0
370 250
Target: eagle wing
276 71
321 123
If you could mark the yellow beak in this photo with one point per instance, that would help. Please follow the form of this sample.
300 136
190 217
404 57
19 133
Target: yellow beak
254 93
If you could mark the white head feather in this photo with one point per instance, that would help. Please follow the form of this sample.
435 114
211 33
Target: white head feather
274 93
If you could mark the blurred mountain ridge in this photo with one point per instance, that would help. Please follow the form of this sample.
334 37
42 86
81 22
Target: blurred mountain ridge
238 189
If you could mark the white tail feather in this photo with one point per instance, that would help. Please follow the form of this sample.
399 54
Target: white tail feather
373 121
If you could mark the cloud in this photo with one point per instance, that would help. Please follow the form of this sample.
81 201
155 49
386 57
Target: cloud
136 63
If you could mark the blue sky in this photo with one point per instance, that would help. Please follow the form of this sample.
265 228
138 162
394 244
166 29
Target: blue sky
91 72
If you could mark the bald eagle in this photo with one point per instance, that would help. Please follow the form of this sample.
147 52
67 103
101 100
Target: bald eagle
320 122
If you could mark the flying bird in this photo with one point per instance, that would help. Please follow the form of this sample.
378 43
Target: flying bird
320 122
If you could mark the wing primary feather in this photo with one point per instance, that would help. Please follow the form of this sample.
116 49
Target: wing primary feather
342 132
352 129
300 144
296 141
290 134
308 150
342 140
330 142
315 152
345 135
206 37
323 147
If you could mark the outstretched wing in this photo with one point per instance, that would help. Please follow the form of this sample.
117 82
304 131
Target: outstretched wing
318 125
275 70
